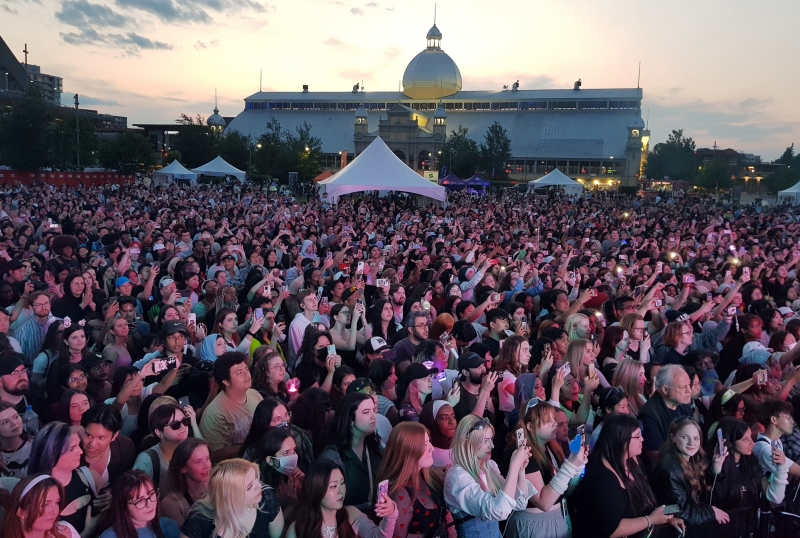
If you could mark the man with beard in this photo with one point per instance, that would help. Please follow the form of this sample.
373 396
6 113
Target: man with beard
417 330
476 387
14 386
397 296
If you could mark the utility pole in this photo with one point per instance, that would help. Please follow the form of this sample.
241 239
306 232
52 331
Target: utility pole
25 50
78 131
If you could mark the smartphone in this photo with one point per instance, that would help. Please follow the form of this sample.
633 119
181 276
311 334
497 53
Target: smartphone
259 313
183 402
382 282
360 268
383 490
520 437
523 320
746 272
185 293
761 377
172 363
671 509
331 350
720 442
291 385
159 366
566 369
660 267
285 287
495 297
688 278
592 370
192 317
659 303
571 275
545 349
329 255
731 311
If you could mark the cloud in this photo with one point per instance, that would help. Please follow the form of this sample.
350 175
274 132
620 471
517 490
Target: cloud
372 4
390 8
193 10
391 52
7 9
88 100
132 43
202 45
527 82
81 13
356 11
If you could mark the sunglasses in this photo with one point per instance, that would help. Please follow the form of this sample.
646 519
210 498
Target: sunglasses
533 402
178 423
479 426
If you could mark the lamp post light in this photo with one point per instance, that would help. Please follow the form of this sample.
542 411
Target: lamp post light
250 164
77 131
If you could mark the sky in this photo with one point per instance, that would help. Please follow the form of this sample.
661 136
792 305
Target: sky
723 71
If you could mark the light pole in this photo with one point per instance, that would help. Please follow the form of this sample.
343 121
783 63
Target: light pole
250 164
77 130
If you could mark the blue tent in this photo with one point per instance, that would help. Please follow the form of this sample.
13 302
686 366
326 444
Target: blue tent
452 181
476 182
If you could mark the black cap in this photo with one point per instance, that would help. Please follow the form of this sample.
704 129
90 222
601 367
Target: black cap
362 384
94 360
13 265
174 326
469 360
417 371
10 362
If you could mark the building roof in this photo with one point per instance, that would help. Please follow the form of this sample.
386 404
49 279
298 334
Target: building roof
461 96
572 134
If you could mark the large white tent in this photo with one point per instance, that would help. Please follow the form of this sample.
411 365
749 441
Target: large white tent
790 195
220 168
377 168
556 178
174 171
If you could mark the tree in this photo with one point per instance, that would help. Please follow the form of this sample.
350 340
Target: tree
235 147
674 158
62 143
496 150
126 152
196 142
782 179
282 152
305 151
714 175
23 140
460 153
171 155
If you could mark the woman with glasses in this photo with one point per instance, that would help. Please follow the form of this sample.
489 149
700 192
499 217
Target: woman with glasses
272 413
115 344
614 499
548 471
475 492
345 333
639 344
269 376
236 505
170 425
187 479
678 340
727 403
134 509
679 477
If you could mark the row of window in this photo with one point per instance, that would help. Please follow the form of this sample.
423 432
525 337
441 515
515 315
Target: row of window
510 105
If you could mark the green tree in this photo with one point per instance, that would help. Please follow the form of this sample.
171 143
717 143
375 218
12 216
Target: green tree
171 155
714 175
787 156
304 151
62 143
235 147
496 151
282 152
23 140
195 141
460 153
126 152
782 179
674 158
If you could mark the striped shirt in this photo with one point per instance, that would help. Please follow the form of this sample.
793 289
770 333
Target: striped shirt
31 336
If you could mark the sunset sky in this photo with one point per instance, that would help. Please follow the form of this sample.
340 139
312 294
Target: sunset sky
723 71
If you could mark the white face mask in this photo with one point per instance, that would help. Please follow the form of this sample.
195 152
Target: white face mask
285 465
789 347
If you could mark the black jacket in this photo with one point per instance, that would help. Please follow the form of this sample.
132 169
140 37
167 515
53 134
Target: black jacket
671 487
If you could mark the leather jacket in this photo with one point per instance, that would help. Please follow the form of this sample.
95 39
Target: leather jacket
671 487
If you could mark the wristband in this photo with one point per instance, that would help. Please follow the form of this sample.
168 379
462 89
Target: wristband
250 334
649 523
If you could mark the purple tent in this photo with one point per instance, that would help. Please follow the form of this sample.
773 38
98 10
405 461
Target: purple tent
452 181
476 182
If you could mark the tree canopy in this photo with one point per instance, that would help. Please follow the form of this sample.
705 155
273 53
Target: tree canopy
674 158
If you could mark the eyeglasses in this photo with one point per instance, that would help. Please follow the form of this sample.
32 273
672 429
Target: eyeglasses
533 402
19 373
423 326
141 503
41 305
76 379
478 426
178 423
278 367
283 418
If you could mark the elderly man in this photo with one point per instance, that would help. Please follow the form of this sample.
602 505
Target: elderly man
671 400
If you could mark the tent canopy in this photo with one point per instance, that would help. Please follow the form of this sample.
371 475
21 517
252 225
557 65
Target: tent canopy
556 178
476 181
790 195
219 167
378 168
324 175
173 171
451 180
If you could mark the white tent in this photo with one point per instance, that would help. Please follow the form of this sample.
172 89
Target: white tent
556 178
790 195
377 168
218 167
173 172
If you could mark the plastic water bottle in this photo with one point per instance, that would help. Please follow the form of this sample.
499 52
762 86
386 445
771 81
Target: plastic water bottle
31 421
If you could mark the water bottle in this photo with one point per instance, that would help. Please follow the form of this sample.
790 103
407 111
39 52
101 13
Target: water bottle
31 421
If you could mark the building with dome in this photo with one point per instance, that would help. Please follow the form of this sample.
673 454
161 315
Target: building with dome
596 136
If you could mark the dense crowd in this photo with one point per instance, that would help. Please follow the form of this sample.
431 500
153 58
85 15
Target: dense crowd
203 362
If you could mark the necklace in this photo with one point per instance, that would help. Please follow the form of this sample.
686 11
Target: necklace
329 532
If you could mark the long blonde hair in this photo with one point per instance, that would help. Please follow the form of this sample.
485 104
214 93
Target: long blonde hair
574 356
465 443
626 375
224 501
400 464
572 325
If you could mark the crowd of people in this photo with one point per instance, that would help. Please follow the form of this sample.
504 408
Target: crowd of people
226 362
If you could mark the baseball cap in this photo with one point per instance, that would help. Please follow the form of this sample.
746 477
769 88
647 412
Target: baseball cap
676 315
158 246
417 371
174 326
361 384
94 360
468 360
165 282
227 257
754 353
121 281
13 265
10 362
376 344
349 292
785 311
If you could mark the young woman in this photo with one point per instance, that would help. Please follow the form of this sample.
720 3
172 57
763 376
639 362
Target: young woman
235 506
73 351
440 419
128 391
738 485
271 413
116 348
77 302
316 366
382 374
581 356
323 512
725 404
629 375
613 349
71 406
548 472
679 477
47 357
576 404
277 459
311 413
415 488
578 326
639 344
226 324
473 484
413 390
356 448
677 339
345 333
269 376
611 400
15 446
342 377
187 479
34 509
56 451
614 498
134 509
381 320
511 363
169 424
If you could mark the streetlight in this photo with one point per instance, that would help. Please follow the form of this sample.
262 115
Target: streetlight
250 164
77 131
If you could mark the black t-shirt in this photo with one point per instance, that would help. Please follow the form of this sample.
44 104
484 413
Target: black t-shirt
199 526
599 504
310 373
493 345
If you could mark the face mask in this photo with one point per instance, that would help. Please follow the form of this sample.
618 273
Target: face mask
285 465
791 346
